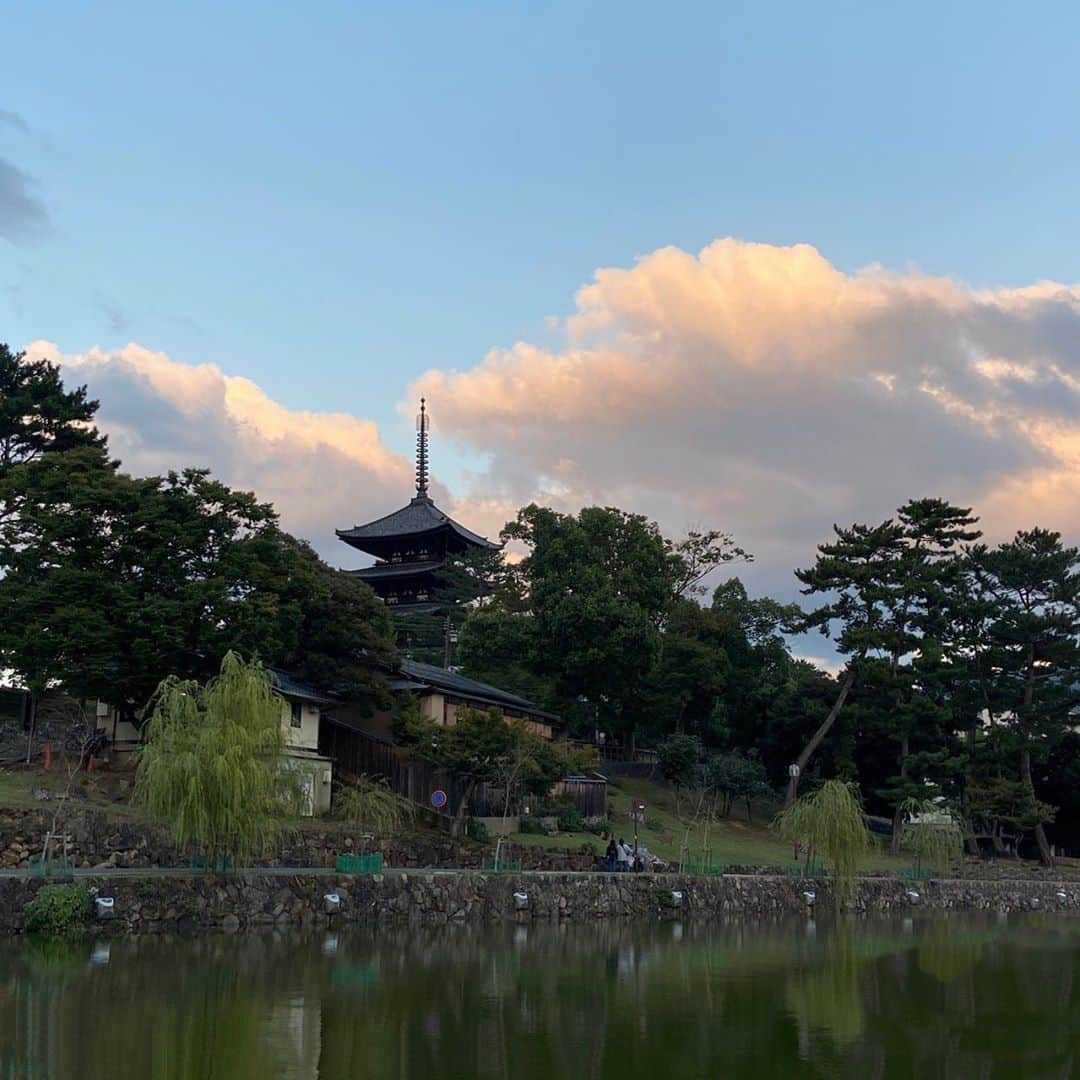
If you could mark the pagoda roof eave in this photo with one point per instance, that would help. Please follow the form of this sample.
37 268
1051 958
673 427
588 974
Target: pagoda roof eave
382 571
419 518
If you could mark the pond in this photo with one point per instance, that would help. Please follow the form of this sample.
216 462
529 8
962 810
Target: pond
958 997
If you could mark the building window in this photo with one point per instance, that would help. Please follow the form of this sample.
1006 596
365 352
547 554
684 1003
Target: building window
296 715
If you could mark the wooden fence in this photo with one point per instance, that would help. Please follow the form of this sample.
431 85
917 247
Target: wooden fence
355 752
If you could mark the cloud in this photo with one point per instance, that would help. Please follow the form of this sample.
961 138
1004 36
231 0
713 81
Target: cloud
23 217
753 388
761 390
322 470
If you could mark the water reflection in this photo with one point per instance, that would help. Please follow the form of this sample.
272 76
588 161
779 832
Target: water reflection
967 998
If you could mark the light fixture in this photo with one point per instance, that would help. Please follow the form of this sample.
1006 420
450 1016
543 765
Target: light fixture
332 903
521 901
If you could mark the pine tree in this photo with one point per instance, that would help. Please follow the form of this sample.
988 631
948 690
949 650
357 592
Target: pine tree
1028 596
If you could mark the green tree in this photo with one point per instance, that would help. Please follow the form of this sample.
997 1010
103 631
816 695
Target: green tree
690 675
474 748
38 415
599 585
698 555
502 647
114 581
1029 594
212 765
829 822
854 573
910 647
345 641
737 775
679 756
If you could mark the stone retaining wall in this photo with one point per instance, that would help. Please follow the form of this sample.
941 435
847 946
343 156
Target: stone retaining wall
166 904
106 841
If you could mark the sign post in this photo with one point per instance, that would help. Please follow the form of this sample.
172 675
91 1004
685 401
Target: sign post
639 818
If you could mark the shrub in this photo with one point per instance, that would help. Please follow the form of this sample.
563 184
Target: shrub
477 830
600 828
570 820
58 910
369 803
532 826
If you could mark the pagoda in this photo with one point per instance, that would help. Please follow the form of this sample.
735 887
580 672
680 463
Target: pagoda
412 544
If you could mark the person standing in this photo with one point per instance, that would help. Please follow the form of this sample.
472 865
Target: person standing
612 856
622 855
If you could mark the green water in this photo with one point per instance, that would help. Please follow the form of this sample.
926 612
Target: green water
958 998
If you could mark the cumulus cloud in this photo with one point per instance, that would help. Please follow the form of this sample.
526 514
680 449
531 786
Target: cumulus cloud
753 388
23 217
322 470
762 390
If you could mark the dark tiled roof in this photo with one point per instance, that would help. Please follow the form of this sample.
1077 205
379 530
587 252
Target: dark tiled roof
452 683
420 516
392 569
289 686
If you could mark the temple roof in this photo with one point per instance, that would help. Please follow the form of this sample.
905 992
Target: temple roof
421 516
292 688
384 570
419 676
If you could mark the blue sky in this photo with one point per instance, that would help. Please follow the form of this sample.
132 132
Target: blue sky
331 199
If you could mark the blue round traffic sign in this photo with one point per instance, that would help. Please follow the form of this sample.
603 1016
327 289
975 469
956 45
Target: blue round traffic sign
438 798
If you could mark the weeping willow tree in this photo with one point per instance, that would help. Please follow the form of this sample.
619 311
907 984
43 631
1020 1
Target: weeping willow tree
369 804
212 764
829 822
931 834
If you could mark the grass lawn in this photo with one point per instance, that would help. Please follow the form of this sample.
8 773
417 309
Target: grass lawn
102 791
731 840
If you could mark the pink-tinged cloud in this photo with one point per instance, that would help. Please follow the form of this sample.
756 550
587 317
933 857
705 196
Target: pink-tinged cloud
761 390
322 470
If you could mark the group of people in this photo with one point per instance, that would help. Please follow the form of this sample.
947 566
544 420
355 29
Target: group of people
622 858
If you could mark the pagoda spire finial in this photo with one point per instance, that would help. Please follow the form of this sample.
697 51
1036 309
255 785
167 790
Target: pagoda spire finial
422 424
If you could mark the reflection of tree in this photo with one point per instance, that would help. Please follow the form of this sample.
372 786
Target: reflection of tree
827 997
856 1000
945 957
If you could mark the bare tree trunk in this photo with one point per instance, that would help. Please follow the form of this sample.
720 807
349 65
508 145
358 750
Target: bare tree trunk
31 705
818 737
1045 854
457 825
898 815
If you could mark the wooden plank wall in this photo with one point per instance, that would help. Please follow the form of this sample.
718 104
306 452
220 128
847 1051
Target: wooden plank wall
355 752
